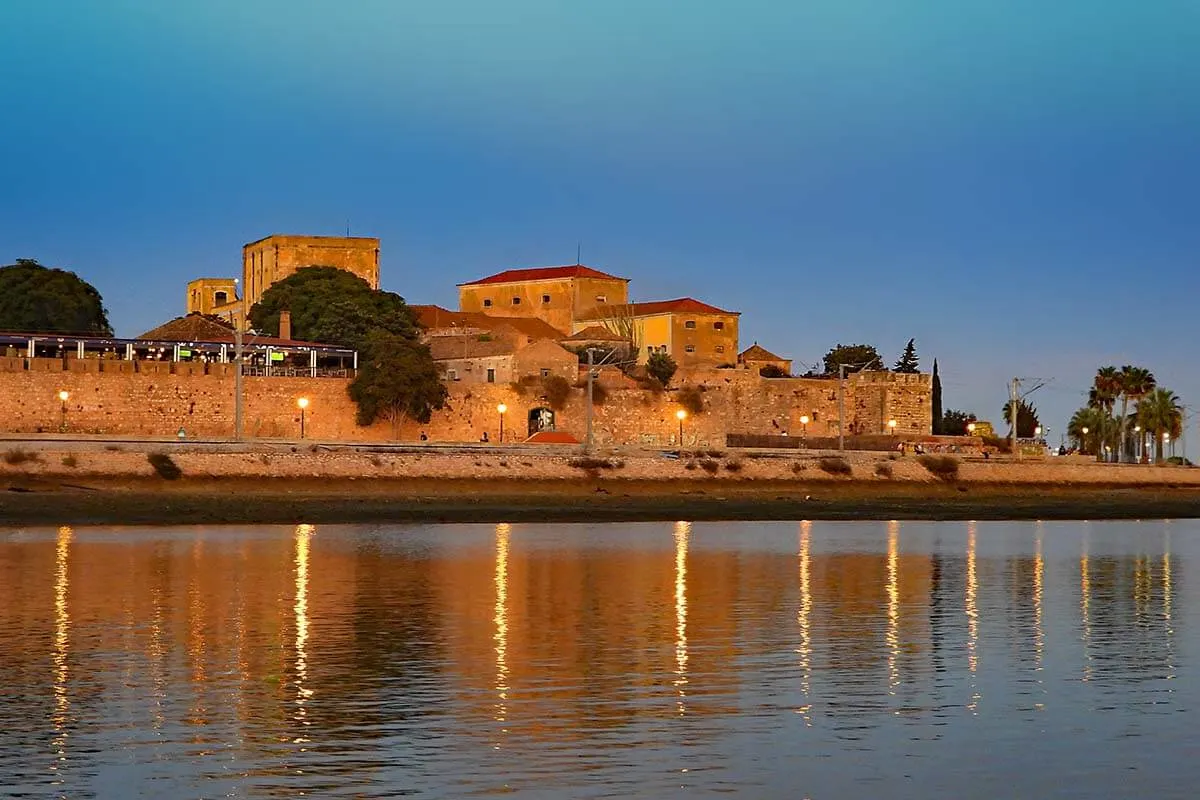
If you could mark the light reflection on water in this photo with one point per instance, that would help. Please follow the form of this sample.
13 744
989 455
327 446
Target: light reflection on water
761 659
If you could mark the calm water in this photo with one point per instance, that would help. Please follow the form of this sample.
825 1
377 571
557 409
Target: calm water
612 660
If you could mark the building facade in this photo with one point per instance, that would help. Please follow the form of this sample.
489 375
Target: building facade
691 332
556 295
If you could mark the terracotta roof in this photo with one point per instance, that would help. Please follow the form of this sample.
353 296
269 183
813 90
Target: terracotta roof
542 274
756 352
552 437
596 333
680 305
435 317
203 328
468 346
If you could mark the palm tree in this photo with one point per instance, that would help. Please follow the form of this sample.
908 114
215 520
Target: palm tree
1135 383
1087 417
1027 418
1106 388
1159 412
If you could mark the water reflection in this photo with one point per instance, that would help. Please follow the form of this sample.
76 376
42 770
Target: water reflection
464 660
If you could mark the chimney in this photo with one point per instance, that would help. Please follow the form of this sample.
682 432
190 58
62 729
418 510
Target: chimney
285 325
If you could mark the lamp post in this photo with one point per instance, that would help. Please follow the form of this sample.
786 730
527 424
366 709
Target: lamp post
1137 447
303 403
501 409
891 427
1083 440
681 415
970 428
238 321
1166 440
64 396
804 430
1037 432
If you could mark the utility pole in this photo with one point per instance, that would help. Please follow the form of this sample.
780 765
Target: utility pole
841 406
237 368
587 446
1013 402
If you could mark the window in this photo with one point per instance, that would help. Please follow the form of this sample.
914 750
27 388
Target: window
691 348
718 326
516 301
545 299
452 374
690 324
220 298
601 298
545 372
491 376
487 303
720 348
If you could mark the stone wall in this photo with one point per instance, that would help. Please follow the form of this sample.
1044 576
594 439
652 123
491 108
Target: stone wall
158 398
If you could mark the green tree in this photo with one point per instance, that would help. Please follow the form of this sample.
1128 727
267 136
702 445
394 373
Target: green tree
954 423
1027 418
855 357
37 299
908 362
937 402
332 306
661 367
1159 413
396 380
1135 383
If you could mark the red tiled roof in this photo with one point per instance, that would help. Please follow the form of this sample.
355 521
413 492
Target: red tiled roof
680 305
196 328
434 317
595 333
542 274
552 437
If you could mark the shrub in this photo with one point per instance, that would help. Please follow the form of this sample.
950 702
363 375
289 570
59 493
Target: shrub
773 371
834 465
376 461
557 391
661 367
164 466
691 465
1179 461
797 467
733 465
265 459
19 456
944 467
592 463
714 454
599 393
710 466
690 398
113 448
70 461
883 470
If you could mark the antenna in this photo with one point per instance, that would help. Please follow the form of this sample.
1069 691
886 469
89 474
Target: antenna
578 253
347 229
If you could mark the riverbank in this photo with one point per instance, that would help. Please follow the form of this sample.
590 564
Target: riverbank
64 483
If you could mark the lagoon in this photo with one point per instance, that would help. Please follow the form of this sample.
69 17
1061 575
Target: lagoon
756 659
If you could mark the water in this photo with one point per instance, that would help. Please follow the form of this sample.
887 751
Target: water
755 660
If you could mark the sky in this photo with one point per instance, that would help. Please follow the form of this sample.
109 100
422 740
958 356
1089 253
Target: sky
1016 185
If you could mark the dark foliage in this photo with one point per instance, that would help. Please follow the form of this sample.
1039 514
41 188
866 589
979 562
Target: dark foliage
856 357
661 367
396 380
908 362
954 423
691 399
937 400
772 371
37 299
834 465
944 467
165 466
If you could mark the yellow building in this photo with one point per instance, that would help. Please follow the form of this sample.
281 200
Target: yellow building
274 258
556 295
691 332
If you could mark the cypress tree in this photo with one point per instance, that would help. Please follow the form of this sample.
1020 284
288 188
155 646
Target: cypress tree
937 400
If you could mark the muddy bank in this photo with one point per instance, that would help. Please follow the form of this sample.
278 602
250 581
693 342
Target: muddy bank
34 500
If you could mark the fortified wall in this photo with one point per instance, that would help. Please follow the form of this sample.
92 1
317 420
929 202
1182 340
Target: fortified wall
158 398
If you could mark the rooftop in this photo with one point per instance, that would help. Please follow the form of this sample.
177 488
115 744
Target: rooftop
543 274
435 317
306 237
757 352
595 333
681 305
195 328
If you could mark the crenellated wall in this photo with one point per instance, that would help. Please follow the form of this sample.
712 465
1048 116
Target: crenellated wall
153 398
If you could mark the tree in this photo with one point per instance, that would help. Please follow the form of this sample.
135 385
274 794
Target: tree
908 362
1135 383
332 306
954 423
1027 418
855 357
396 380
772 371
1159 413
937 401
37 299
1095 420
661 367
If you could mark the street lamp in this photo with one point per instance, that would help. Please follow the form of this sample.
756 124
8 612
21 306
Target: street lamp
1083 439
303 403
64 396
892 426
1037 432
1137 453
804 429
971 428
501 409
681 415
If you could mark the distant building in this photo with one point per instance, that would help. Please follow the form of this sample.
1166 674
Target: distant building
691 332
556 295
274 258
756 357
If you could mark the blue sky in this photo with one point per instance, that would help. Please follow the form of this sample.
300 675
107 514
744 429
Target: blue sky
1014 184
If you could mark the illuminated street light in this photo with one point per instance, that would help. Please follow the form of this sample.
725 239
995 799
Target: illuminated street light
681 415
303 404
971 428
501 409
64 396
892 426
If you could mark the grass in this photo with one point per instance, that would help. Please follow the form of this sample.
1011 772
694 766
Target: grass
835 465
165 466
944 467
18 456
